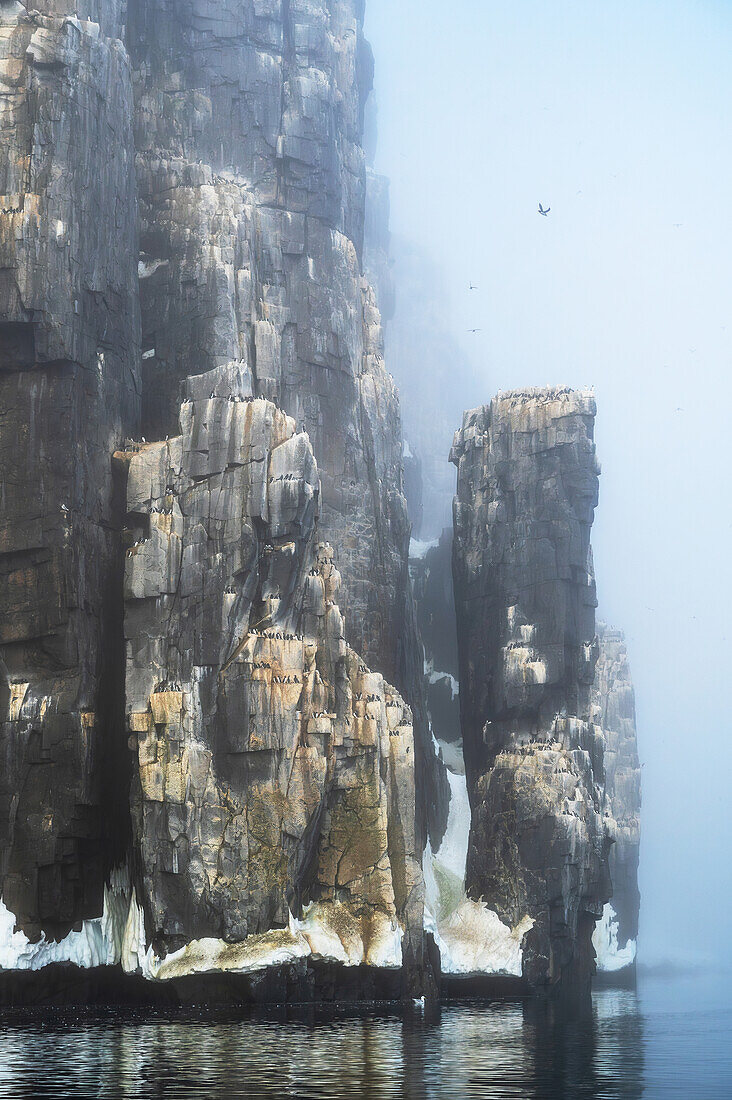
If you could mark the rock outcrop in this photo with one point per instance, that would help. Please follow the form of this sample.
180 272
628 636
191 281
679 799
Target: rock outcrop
613 699
525 600
69 393
274 777
181 192
252 184
204 545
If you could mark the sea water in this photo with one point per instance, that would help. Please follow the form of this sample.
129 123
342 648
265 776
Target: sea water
671 1038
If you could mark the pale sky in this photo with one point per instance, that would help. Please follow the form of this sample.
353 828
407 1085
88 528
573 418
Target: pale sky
618 116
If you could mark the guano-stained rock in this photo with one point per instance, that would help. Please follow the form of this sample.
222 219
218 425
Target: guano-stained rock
252 183
274 776
69 393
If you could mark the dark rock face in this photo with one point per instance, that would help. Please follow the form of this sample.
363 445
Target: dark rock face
613 701
69 392
199 635
252 186
435 600
271 775
525 599
275 771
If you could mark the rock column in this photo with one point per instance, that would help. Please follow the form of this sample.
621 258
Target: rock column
525 599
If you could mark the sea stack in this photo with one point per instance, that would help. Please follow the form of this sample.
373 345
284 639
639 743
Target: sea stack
525 605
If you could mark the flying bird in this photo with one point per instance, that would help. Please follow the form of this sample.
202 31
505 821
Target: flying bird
543 211
472 287
475 330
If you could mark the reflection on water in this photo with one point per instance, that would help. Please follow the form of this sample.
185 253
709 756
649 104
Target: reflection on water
666 1041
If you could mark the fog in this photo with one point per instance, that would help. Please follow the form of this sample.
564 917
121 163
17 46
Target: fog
617 116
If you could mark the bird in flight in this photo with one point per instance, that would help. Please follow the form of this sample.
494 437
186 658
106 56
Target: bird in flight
472 287
475 330
543 211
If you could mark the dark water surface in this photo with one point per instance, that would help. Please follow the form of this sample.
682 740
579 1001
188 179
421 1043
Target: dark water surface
670 1039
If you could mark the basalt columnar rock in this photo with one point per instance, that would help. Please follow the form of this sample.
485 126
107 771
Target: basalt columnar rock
613 700
69 393
525 600
274 789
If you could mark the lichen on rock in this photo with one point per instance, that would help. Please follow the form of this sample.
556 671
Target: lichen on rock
274 769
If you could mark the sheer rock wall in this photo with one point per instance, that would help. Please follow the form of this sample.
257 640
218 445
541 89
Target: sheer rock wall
252 182
182 196
69 393
275 771
525 598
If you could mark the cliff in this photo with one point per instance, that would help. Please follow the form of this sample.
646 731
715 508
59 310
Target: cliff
182 206
613 699
225 749
431 569
69 393
252 188
274 772
525 603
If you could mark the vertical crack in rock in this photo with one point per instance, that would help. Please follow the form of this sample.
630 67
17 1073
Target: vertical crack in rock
69 392
274 778
182 239
613 701
252 184
221 163
525 599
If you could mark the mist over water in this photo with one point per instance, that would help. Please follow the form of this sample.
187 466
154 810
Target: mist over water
618 118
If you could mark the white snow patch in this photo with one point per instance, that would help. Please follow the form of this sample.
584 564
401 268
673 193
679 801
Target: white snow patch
101 941
471 937
407 452
434 676
538 670
418 549
146 268
211 955
327 930
474 940
610 956
149 353
523 666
